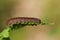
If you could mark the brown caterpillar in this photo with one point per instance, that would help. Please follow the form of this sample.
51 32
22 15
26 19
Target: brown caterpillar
24 20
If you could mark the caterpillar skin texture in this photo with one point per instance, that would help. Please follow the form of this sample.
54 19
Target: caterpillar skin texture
24 20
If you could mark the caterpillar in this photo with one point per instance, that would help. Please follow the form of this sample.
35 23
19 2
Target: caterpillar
24 20
19 22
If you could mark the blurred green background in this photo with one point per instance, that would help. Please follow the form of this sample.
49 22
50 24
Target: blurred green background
52 13
5 12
